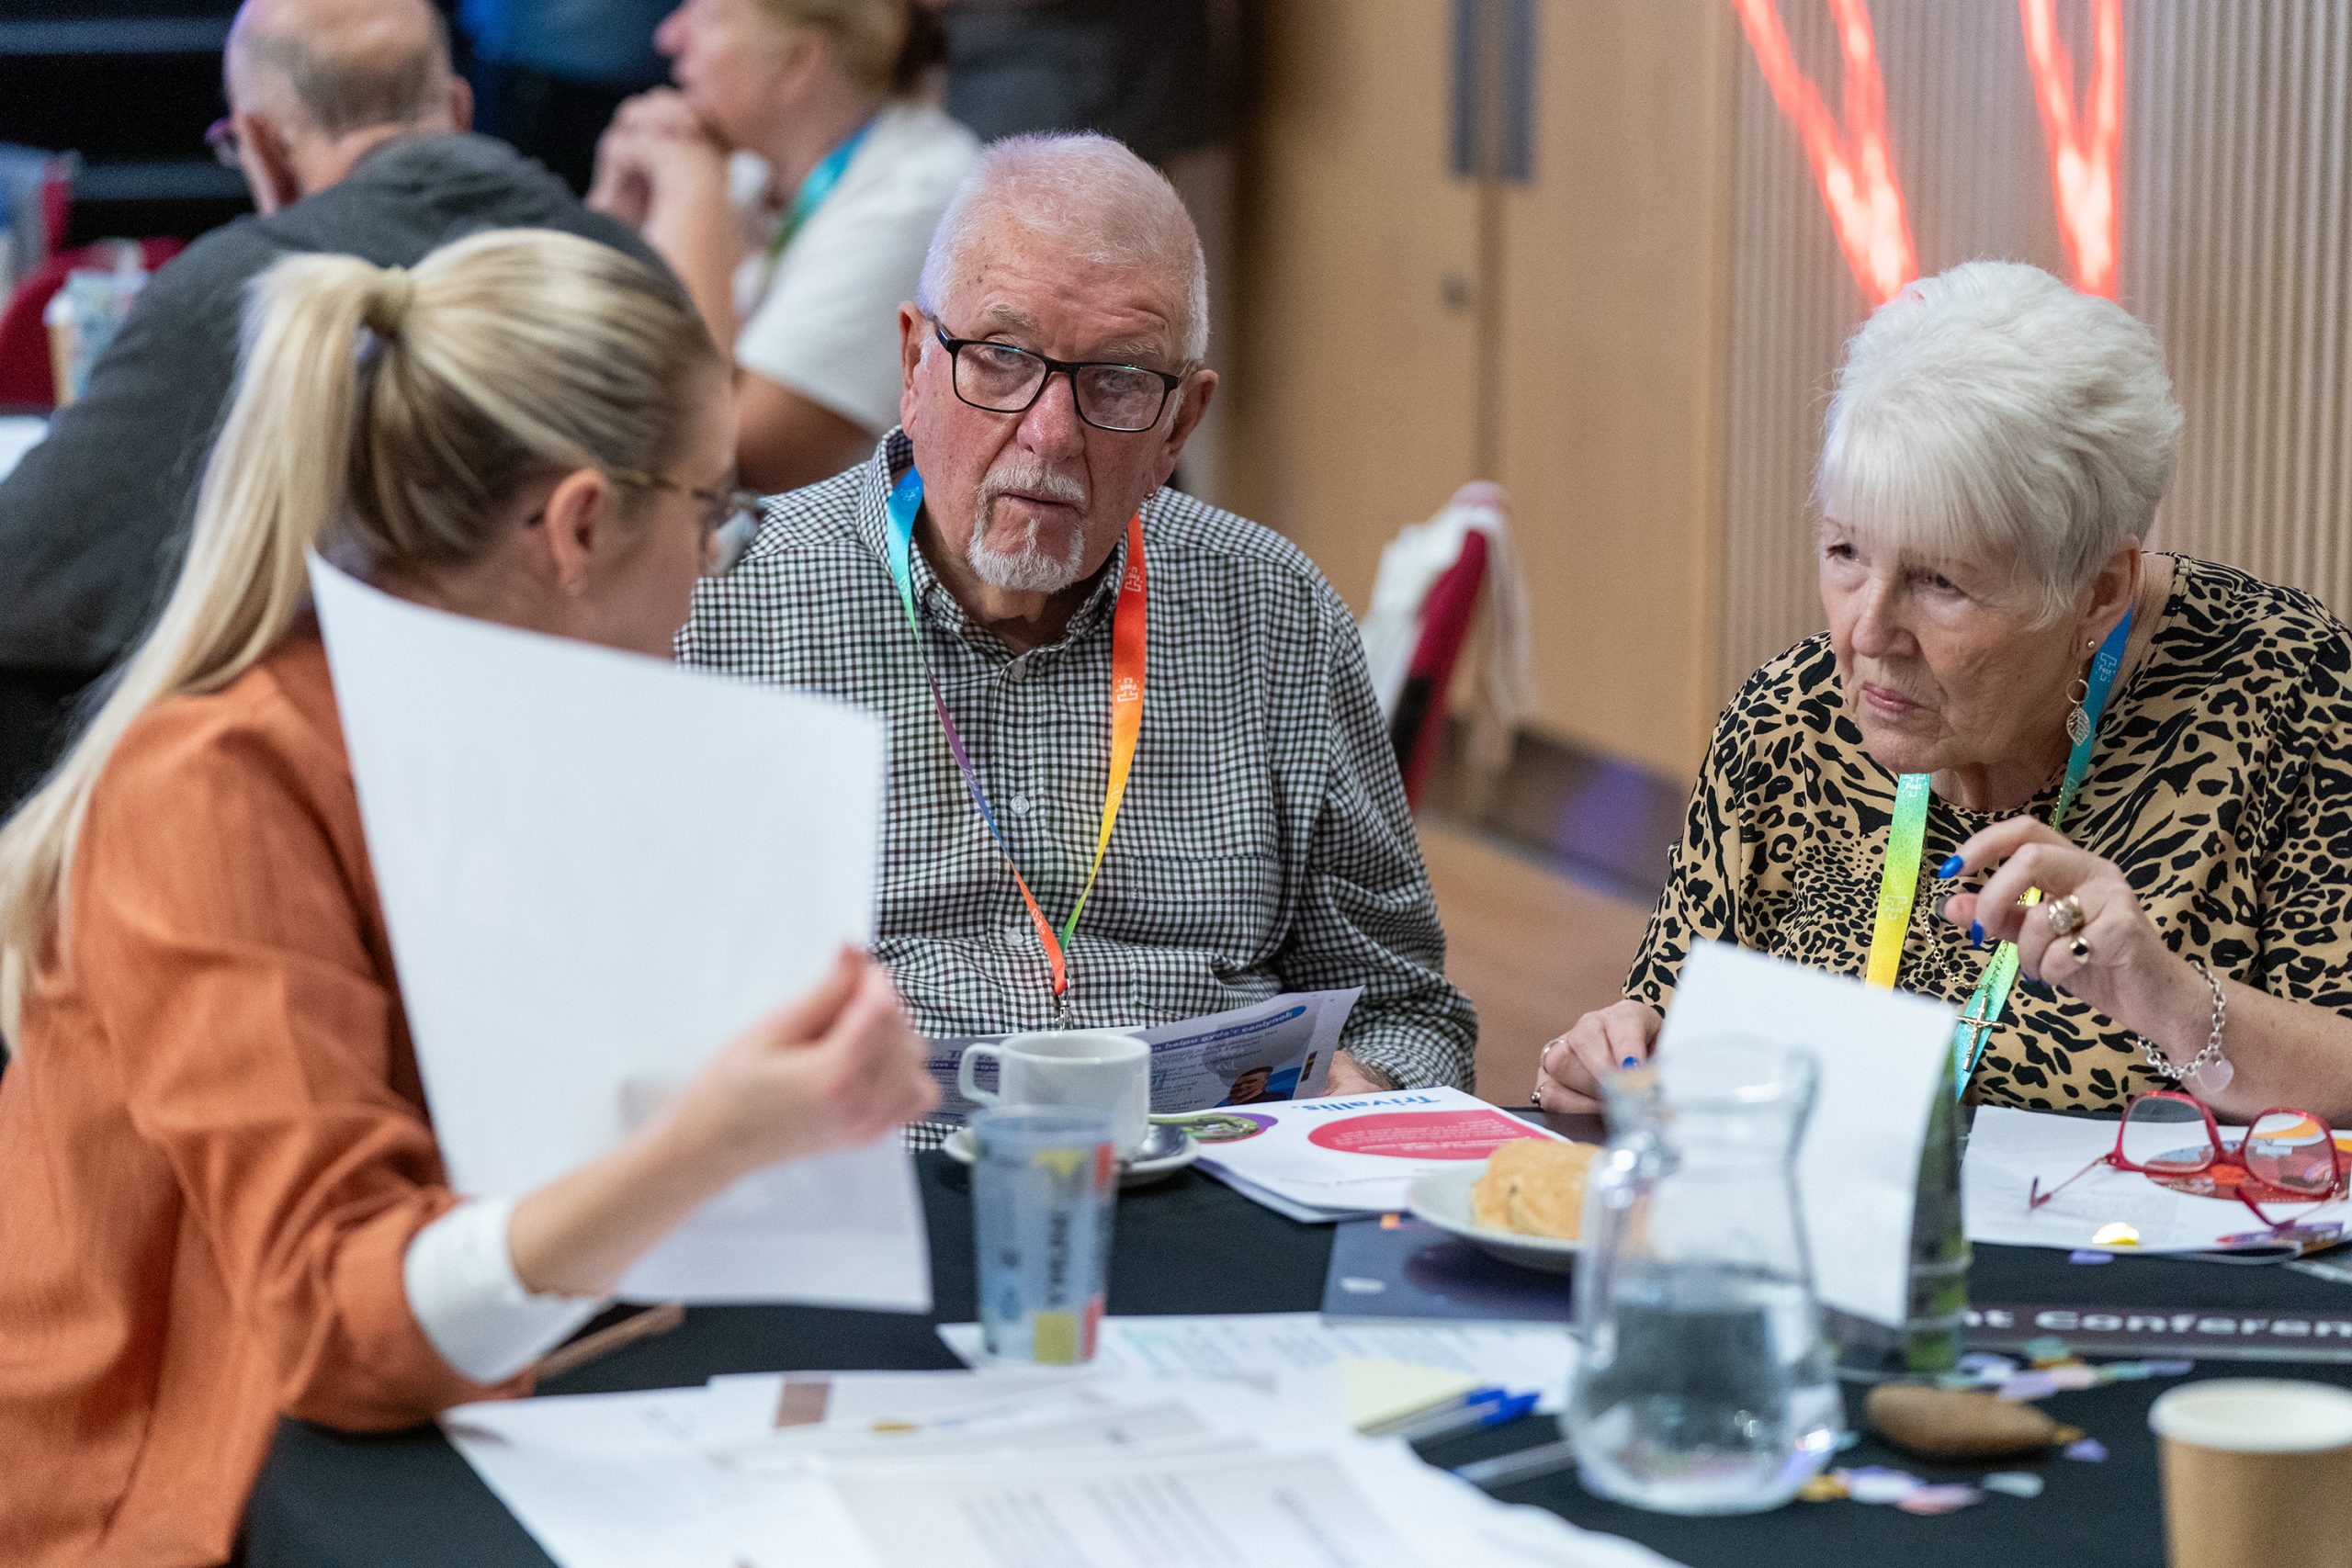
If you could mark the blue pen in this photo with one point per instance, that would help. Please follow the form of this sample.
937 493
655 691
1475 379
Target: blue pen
1442 1409
1472 1418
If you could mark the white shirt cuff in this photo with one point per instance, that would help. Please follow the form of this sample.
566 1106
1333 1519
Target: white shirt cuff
461 1287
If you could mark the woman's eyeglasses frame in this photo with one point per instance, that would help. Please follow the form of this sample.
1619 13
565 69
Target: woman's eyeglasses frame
730 516
729 519
2215 1151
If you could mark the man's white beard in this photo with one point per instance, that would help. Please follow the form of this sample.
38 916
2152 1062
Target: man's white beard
1029 568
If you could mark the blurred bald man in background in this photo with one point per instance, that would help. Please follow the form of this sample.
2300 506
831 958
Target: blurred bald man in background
351 132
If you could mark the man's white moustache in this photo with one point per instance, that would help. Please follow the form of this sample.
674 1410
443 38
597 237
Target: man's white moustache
1039 481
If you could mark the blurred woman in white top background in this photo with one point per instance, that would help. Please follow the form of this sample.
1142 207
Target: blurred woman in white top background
792 178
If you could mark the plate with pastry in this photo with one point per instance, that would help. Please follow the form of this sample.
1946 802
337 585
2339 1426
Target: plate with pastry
1523 1205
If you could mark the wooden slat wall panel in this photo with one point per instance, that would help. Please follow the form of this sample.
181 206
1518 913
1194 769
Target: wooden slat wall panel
2236 248
1354 401
1607 365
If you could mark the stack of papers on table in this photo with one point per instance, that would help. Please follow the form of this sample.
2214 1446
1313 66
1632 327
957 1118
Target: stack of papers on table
1262 1347
1000 1469
1324 1160
2109 1209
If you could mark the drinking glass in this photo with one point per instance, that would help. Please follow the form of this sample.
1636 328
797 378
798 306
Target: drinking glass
1043 1183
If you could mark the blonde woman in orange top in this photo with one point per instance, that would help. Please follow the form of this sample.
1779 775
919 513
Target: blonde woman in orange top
222 1200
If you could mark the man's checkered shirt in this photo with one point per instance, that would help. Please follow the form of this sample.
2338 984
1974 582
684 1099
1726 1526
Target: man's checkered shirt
1264 844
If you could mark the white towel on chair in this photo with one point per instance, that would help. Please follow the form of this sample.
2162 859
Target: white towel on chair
1502 657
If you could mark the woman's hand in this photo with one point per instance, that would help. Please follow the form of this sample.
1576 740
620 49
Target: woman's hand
622 188
656 153
838 1067
1349 1076
1569 1071
663 172
2116 960
661 111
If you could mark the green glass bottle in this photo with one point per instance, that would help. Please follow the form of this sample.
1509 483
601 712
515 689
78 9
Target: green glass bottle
1940 1254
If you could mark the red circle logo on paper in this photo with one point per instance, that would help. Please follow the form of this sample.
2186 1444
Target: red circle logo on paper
1422 1134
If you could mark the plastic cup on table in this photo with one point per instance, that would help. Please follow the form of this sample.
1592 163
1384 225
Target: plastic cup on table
1043 1179
2255 1471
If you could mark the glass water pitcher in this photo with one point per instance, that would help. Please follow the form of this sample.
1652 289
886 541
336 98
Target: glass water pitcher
1704 1383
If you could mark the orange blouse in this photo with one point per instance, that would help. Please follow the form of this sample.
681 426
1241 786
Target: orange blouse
213 1144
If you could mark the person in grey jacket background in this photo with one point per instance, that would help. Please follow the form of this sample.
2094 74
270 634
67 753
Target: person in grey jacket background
352 131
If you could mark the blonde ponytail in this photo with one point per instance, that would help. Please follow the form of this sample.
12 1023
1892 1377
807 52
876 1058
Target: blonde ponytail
391 409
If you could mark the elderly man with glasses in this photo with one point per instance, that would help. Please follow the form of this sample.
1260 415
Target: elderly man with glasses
1072 656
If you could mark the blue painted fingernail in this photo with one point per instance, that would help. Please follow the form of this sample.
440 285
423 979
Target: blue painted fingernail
1976 932
1951 867
1633 1062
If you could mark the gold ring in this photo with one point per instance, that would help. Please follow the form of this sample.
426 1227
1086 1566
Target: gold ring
2079 948
2066 915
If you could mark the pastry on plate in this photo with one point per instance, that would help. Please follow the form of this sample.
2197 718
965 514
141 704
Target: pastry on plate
1533 1187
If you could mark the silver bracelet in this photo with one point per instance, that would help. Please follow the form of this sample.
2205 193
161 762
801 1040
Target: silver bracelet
2208 1072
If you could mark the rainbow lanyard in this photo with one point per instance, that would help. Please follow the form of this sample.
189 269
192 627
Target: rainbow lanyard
815 189
1899 883
1129 621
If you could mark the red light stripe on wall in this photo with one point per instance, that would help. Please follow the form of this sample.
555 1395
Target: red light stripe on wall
1852 163
2083 138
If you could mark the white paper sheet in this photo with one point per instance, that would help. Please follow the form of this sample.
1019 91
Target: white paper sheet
1523 1358
747 1410
596 868
1360 1505
1348 1155
1215 1512
2007 1149
1881 1059
615 1480
1241 1475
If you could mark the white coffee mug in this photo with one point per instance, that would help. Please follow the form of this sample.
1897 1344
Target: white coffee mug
1100 1069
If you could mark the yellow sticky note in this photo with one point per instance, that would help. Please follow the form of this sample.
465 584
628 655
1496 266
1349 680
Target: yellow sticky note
1380 1392
1055 1339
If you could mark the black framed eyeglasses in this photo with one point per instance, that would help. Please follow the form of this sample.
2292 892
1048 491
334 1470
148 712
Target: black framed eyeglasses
1004 378
730 516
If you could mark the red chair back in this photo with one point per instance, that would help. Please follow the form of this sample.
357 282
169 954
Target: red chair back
26 379
1420 717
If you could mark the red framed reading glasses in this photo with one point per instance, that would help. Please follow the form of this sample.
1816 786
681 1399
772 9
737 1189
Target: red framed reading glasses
2285 1156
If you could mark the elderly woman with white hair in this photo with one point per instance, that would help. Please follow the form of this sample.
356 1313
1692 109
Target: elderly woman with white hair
2033 731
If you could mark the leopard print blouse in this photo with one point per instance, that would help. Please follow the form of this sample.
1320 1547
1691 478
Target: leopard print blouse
2222 787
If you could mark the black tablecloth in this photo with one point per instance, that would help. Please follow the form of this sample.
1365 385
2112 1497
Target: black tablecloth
330 1500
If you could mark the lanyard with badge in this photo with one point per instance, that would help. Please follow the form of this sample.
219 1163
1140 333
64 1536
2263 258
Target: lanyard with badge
1899 883
1128 623
814 191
